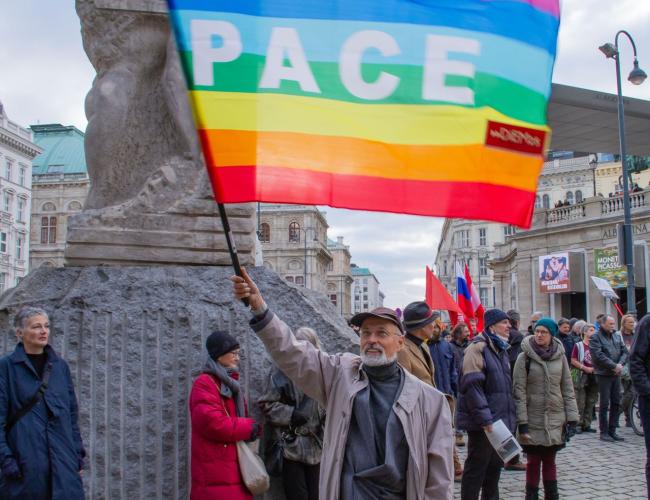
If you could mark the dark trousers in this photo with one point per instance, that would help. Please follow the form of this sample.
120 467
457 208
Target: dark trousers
644 410
609 390
482 469
300 480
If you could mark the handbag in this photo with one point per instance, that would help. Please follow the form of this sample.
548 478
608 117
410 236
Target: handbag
274 457
251 466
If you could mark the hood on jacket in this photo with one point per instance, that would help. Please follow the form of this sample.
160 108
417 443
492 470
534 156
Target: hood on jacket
528 349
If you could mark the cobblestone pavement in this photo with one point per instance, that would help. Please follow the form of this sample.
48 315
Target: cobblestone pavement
588 469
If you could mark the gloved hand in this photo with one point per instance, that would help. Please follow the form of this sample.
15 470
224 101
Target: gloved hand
10 469
570 430
255 433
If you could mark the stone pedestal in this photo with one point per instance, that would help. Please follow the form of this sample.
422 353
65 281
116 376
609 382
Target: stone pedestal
134 339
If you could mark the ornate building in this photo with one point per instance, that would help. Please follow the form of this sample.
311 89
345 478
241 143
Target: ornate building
295 245
17 150
60 187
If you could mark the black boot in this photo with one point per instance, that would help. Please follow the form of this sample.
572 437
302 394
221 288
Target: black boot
550 490
532 492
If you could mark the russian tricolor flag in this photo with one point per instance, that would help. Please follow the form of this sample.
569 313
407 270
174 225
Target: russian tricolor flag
468 298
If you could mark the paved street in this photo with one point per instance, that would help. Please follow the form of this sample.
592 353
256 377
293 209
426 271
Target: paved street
589 469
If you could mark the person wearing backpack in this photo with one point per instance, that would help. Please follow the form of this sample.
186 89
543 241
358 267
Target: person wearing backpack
41 452
584 380
547 413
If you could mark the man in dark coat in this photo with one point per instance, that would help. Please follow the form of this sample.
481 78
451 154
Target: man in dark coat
640 374
485 396
41 453
608 355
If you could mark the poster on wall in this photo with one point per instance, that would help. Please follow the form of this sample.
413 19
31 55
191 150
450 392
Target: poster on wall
608 267
554 273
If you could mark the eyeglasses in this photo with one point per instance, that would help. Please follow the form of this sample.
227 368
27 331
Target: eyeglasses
237 354
383 335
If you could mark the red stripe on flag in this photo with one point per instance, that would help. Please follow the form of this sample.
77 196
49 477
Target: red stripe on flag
433 198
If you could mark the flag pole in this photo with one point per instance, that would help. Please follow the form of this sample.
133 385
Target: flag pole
230 240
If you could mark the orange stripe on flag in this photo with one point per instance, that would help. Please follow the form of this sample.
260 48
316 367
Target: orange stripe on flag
351 156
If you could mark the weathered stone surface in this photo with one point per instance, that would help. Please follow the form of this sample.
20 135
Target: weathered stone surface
142 150
134 337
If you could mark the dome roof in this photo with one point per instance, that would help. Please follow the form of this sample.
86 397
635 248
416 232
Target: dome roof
63 150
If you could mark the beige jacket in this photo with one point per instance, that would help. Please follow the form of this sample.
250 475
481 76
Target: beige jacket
417 362
334 380
544 394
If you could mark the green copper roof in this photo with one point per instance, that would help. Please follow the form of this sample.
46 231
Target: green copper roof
63 150
360 271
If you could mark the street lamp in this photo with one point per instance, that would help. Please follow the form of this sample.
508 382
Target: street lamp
637 76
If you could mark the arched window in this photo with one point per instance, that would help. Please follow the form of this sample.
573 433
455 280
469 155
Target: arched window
538 202
48 230
49 207
579 196
265 232
569 197
74 206
294 232
546 201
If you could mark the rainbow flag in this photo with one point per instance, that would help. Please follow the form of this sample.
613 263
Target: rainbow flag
429 107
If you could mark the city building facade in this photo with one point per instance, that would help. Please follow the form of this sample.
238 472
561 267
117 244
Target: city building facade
339 277
60 187
549 268
295 245
17 151
366 293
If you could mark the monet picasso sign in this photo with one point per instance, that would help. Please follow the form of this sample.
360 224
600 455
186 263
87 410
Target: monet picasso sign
608 267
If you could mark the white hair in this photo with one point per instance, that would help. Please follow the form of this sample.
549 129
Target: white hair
26 312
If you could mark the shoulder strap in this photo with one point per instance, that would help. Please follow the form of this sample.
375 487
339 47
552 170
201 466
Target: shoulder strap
33 401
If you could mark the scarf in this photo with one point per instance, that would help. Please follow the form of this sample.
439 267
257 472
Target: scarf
498 341
230 387
544 352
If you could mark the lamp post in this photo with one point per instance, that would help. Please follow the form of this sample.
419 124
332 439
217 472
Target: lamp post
637 76
305 231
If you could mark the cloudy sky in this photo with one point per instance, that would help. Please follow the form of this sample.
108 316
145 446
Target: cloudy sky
45 75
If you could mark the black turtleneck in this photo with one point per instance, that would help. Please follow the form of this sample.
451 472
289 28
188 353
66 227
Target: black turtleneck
376 453
38 361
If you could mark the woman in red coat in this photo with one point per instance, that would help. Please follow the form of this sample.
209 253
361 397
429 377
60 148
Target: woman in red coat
219 420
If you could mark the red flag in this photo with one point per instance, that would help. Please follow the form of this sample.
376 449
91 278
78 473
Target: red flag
438 297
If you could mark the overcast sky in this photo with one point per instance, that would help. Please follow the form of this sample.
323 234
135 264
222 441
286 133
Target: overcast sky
45 75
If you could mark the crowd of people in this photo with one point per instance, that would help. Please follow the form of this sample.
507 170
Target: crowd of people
386 423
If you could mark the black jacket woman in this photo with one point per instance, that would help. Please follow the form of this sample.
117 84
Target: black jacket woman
296 424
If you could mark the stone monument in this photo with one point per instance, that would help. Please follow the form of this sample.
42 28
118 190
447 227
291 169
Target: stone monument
150 200
140 291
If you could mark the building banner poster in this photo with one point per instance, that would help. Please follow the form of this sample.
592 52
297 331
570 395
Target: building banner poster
608 267
554 273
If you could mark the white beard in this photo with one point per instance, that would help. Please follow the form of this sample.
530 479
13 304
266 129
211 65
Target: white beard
377 360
